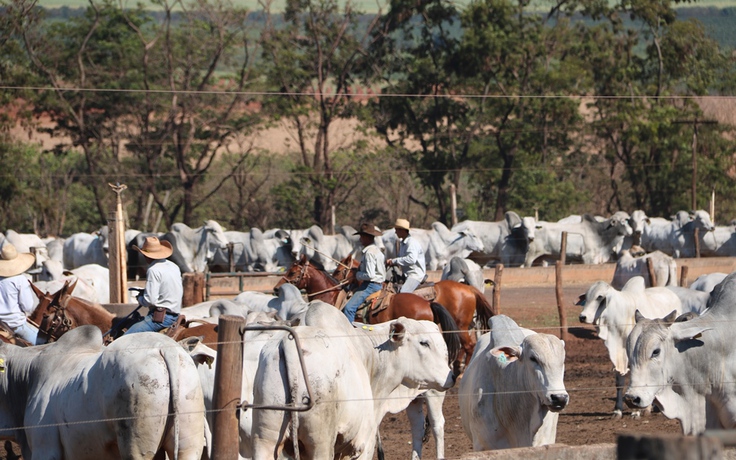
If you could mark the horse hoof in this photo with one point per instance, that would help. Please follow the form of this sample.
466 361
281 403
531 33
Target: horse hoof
617 415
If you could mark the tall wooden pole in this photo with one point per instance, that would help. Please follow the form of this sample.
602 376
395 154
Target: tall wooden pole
228 381
453 204
116 263
695 165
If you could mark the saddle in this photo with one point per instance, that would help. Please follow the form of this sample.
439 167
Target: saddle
175 329
7 335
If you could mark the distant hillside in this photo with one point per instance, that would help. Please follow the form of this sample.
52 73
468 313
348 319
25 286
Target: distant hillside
719 22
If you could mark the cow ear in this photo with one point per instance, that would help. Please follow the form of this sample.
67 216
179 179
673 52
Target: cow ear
638 316
687 331
671 317
397 332
506 355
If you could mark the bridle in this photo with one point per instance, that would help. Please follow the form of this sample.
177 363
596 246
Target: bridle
304 276
54 323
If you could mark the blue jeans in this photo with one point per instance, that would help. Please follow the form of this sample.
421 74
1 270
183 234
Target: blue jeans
27 332
147 324
359 296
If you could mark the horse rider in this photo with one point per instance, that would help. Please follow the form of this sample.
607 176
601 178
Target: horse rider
164 289
372 270
410 257
16 295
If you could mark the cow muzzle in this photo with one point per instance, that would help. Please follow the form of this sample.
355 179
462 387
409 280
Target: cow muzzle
558 401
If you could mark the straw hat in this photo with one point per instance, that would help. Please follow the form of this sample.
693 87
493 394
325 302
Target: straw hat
368 229
403 224
155 249
12 263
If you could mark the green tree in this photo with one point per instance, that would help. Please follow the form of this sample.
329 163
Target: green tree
312 58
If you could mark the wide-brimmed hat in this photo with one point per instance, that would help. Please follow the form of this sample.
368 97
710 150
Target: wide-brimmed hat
12 263
153 248
402 223
368 229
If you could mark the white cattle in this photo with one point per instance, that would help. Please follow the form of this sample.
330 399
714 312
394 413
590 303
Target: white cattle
629 266
288 302
676 236
691 300
590 241
687 368
85 248
95 276
612 312
55 248
77 399
513 388
352 377
196 247
327 250
721 242
464 271
253 252
28 242
707 282
503 241
439 244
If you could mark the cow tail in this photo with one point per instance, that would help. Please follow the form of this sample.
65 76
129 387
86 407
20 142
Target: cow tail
292 366
673 274
172 363
483 310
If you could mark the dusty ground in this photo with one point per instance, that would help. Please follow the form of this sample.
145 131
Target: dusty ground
588 378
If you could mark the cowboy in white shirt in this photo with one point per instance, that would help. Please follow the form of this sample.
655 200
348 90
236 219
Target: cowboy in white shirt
410 259
16 295
372 270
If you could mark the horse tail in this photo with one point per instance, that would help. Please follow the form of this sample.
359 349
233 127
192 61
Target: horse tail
450 332
483 310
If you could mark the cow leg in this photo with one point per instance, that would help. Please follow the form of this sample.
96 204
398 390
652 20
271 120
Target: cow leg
415 413
435 399
619 407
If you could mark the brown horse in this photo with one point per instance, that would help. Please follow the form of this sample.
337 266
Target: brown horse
60 312
460 300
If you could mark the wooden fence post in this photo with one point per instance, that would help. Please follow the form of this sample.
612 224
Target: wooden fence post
652 274
560 297
683 276
563 248
496 307
696 237
228 381
193 284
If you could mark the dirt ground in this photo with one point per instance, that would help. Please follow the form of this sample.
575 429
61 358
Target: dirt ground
588 378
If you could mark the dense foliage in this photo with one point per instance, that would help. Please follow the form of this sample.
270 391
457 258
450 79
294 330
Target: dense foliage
584 107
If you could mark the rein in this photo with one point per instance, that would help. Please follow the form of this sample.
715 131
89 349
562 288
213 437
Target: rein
304 275
55 323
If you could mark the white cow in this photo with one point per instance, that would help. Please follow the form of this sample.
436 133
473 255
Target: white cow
196 247
612 312
287 304
676 236
95 276
28 242
252 251
352 377
691 299
707 282
77 399
687 368
629 266
464 271
590 241
85 248
327 250
721 242
503 241
513 388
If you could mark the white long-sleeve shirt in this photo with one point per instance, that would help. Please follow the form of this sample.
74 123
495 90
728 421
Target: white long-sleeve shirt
372 266
411 259
163 286
16 300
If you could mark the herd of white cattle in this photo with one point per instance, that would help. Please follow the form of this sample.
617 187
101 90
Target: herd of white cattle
77 399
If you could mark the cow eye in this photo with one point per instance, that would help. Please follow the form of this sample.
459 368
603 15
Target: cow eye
600 297
655 353
534 359
424 343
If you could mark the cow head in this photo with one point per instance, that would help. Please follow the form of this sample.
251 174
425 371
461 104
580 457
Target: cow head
421 342
653 347
594 302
